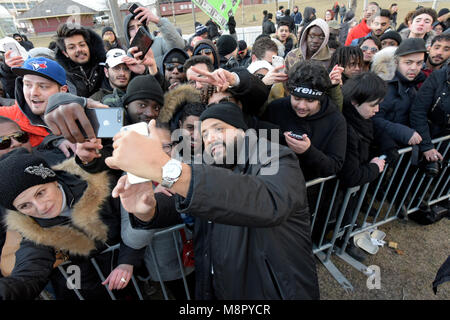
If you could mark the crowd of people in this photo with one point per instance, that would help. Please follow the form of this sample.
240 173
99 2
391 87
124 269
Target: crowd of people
344 94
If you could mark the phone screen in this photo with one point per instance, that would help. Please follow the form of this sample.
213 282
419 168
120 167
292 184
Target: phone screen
143 41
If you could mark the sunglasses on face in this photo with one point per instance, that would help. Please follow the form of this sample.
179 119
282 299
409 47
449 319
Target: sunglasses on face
365 48
19 136
206 51
171 66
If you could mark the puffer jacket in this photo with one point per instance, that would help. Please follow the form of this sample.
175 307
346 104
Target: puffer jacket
93 226
392 125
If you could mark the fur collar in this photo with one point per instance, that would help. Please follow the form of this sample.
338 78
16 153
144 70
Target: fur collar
85 216
175 99
383 63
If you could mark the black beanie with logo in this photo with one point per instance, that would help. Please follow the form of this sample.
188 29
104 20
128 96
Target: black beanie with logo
21 170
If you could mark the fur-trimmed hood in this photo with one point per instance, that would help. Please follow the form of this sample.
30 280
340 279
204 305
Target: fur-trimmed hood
96 49
383 63
86 227
175 100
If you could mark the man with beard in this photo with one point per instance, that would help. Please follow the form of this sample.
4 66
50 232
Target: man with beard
392 129
438 53
172 68
80 51
118 75
262 214
380 23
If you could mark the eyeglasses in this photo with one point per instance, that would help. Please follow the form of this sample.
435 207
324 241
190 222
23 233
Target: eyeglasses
206 51
167 147
19 136
365 48
171 66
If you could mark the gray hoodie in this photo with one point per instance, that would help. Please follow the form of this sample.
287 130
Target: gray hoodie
170 38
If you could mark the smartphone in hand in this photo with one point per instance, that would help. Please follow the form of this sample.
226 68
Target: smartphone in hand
11 46
278 61
143 41
106 122
132 9
141 128
296 136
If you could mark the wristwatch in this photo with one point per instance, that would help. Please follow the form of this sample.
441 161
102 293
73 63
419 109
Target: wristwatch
171 172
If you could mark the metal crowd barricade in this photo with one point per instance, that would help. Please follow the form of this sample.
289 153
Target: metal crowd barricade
401 188
324 248
175 230
401 185
101 276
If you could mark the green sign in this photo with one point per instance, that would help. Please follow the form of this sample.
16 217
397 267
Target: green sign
218 10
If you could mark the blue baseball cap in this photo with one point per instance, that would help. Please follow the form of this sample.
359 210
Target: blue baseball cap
43 67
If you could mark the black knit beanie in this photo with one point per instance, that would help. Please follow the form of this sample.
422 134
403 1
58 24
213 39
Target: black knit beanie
144 87
227 112
107 29
21 170
226 44
391 35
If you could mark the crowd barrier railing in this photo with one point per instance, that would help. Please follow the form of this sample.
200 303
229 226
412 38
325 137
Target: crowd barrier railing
402 186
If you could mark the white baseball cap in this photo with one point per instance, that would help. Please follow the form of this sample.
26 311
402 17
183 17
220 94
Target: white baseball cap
259 64
114 57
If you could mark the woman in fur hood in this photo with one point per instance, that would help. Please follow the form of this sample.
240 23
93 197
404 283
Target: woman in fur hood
62 213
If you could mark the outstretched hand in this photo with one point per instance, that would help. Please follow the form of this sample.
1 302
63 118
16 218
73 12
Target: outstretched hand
220 78
138 199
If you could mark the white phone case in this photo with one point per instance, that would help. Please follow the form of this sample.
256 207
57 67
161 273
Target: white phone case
141 128
11 46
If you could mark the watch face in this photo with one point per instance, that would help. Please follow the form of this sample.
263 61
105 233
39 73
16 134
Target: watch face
172 171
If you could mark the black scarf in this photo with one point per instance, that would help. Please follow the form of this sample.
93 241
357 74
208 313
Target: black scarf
363 127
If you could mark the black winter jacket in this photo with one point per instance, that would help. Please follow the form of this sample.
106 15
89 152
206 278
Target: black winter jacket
254 239
357 170
391 123
435 91
94 225
268 27
326 129
87 78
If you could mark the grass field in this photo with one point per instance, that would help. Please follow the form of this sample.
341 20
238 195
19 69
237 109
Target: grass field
252 15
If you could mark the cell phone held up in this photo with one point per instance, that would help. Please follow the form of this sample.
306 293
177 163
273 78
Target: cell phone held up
132 9
11 46
143 41
106 122
141 128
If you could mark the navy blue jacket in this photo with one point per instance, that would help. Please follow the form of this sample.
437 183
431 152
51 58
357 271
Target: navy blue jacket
391 123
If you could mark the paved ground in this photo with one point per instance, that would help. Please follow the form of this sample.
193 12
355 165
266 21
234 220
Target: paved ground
407 276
